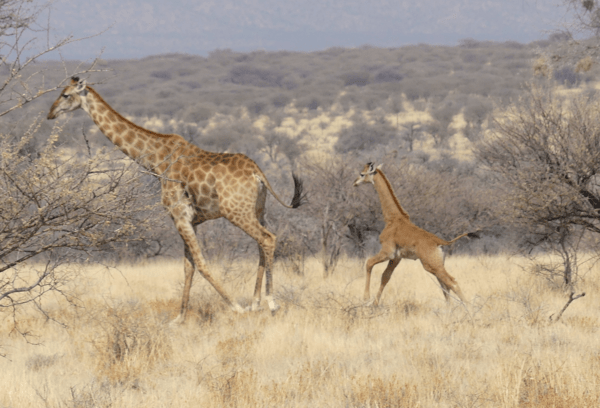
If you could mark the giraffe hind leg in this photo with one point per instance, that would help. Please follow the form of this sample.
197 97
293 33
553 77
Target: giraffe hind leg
266 241
259 279
188 268
260 216
434 264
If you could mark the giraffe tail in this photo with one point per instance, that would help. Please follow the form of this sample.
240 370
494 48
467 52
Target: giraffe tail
466 234
299 197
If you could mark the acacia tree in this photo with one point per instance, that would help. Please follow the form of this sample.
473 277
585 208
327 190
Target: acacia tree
545 151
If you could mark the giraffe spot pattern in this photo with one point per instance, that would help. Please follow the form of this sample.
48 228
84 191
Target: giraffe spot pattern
119 128
129 137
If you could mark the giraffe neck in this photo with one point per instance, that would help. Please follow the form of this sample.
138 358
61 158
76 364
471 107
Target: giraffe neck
391 208
152 150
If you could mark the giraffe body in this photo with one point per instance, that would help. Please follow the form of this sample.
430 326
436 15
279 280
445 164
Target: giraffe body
401 239
196 186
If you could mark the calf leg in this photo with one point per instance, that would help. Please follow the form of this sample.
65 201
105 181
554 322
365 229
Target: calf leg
386 253
385 278
446 281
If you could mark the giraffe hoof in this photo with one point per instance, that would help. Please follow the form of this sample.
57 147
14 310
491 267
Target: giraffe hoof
177 321
370 303
272 305
256 307
275 309
238 309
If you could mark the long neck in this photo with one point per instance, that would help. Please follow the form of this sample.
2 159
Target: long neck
152 150
390 206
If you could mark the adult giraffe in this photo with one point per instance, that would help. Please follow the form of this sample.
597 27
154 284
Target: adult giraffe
401 238
196 186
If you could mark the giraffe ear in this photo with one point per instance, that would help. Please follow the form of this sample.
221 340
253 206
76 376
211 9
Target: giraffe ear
80 87
380 166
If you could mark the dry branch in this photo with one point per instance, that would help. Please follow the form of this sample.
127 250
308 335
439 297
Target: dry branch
572 297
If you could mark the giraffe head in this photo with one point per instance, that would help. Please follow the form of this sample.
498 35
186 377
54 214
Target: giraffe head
367 174
71 98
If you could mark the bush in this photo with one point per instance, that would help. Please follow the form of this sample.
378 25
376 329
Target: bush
363 136
250 75
165 75
281 100
198 113
388 75
566 76
359 78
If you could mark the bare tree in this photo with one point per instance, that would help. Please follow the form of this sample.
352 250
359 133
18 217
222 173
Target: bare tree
546 150
338 208
24 39
411 133
576 43
57 209
277 144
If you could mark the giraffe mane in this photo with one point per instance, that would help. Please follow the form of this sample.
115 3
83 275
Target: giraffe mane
137 127
391 190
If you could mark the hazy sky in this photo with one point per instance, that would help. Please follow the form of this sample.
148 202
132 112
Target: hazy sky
137 28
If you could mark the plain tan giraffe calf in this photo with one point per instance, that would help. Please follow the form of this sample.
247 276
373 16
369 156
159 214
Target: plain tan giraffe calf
402 239
196 185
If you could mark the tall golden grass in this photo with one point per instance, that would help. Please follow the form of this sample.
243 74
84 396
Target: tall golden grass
324 348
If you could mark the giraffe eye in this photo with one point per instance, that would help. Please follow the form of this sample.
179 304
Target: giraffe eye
65 95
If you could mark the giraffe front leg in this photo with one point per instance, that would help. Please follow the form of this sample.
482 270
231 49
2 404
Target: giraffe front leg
371 262
186 230
385 278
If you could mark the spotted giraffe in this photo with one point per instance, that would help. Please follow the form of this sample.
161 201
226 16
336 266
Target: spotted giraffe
196 186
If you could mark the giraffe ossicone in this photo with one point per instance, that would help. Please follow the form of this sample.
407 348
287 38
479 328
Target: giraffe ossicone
196 186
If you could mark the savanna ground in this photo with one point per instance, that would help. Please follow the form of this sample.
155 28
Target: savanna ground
323 348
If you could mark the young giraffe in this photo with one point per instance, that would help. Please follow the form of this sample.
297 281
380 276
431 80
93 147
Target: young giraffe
402 239
196 186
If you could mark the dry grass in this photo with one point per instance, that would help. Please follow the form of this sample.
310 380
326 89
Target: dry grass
323 348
